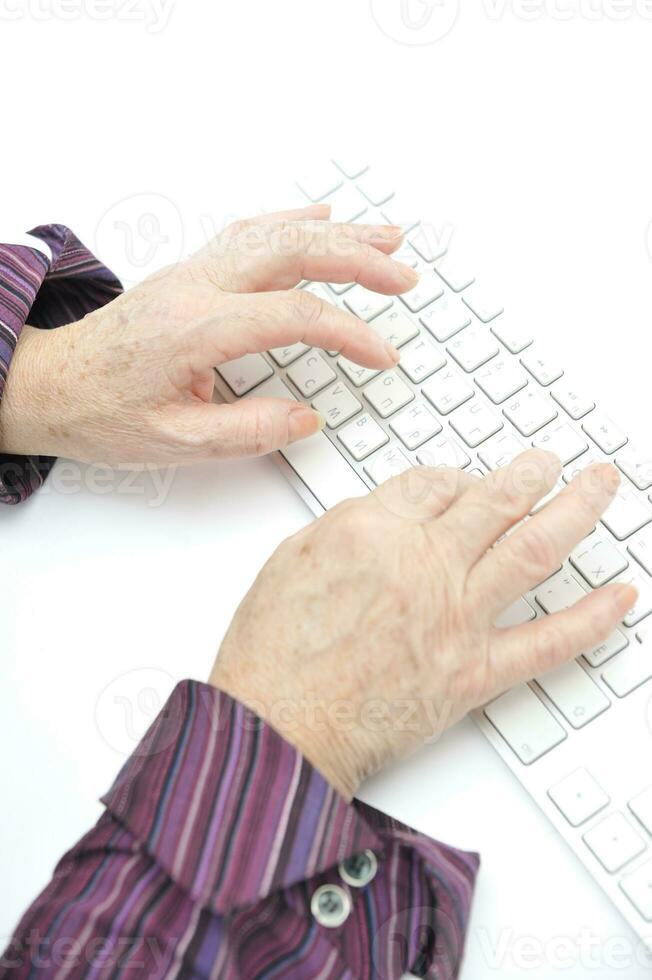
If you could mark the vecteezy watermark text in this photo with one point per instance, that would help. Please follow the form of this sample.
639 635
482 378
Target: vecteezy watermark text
154 14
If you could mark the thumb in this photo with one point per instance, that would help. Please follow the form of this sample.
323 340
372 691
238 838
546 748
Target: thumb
251 427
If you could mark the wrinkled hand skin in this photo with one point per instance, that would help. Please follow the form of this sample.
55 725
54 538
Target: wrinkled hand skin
382 611
133 381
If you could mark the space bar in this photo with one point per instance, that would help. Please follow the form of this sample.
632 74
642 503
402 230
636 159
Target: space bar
324 470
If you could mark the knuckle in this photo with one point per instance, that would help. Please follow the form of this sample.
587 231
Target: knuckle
354 522
309 307
532 551
551 647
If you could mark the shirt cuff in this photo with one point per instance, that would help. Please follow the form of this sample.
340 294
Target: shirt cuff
233 813
49 293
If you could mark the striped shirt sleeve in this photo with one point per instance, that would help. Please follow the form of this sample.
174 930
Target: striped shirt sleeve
216 835
46 294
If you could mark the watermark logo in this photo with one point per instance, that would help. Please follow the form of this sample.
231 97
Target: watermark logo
153 14
141 234
127 707
415 22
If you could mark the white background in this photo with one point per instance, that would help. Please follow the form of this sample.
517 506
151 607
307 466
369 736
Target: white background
531 136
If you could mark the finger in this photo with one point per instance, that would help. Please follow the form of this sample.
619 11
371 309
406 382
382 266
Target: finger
277 255
262 321
504 497
523 652
313 212
250 427
423 492
537 548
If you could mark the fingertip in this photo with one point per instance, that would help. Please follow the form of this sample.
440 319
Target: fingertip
303 422
626 596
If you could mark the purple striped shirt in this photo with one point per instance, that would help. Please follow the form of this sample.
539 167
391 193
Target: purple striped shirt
217 832
45 294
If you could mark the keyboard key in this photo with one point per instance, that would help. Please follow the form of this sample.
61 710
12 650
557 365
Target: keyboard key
375 186
530 411
347 204
447 390
351 166
515 615
574 402
362 437
428 242
285 355
525 723
501 450
641 807
475 423
340 287
614 842
273 388
365 304
396 326
311 373
541 367
453 271
337 405
446 317
513 334
426 291
388 393
579 797
638 888
640 548
598 560
415 425
611 646
321 180
407 256
643 605
473 347
559 592
626 514
637 466
441 451
573 692
500 379
356 374
604 433
628 670
245 373
420 360
324 470
563 441
480 301
401 213
386 464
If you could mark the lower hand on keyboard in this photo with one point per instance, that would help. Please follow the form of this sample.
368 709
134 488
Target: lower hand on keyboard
133 381
372 630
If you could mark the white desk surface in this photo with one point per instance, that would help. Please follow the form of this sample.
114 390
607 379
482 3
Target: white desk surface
532 138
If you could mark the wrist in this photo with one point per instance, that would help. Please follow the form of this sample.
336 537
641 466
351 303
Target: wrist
32 409
314 738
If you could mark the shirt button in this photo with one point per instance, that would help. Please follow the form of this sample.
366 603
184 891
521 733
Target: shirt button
331 906
359 870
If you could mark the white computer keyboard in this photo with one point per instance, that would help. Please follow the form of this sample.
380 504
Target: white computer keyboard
472 390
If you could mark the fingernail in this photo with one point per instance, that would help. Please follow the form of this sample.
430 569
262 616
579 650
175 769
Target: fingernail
411 276
391 351
304 421
390 232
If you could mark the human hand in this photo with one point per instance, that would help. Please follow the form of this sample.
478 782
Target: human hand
133 381
386 605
